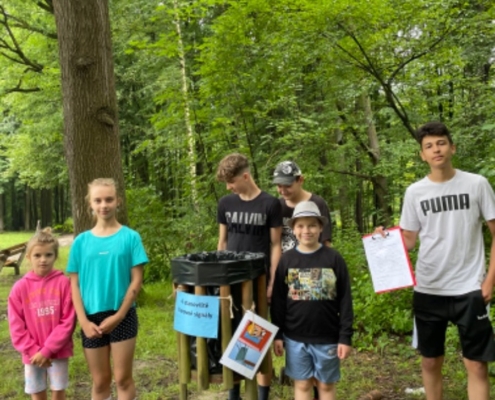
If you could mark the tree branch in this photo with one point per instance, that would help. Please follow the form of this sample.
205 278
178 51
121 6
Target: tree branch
418 55
22 24
46 5
18 88
370 67
15 48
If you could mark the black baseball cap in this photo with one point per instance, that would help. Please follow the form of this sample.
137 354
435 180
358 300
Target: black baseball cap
286 173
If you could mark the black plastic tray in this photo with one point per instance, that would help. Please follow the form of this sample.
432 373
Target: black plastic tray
217 268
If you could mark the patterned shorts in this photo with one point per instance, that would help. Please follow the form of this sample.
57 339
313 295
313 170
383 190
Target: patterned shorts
127 329
36 377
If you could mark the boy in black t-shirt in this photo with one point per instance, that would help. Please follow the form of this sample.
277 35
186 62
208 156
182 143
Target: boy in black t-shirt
289 180
249 220
312 306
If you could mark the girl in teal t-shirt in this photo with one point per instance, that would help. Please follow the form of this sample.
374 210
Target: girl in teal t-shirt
106 273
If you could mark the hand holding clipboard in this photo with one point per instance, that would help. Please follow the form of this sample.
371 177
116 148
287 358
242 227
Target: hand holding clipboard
388 260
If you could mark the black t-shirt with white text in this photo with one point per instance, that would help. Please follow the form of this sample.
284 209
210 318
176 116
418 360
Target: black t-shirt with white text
249 222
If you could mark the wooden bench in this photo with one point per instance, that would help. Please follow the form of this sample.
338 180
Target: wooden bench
13 257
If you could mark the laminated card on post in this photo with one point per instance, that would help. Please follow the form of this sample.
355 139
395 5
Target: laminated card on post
247 348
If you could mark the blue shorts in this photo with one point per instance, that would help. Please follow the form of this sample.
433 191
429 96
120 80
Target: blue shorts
304 361
36 377
127 329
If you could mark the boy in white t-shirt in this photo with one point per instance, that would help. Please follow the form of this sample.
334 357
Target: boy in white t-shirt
446 210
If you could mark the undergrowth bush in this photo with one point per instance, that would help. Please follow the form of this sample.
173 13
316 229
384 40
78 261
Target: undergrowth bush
66 227
169 231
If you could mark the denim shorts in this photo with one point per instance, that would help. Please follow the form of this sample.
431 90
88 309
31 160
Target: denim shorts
304 361
36 377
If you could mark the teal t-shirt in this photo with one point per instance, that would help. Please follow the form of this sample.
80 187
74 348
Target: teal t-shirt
104 266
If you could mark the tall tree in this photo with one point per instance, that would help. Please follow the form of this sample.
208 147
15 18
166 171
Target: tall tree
91 139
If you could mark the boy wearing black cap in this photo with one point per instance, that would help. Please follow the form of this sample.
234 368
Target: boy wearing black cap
289 180
312 306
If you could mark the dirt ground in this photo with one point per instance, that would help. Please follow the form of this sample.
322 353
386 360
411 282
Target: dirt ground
65 240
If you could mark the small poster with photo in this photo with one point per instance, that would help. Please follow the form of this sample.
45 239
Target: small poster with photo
247 348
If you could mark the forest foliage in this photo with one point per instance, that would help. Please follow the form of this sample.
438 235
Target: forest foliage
337 86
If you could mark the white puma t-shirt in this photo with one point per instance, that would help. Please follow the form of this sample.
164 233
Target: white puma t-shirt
449 217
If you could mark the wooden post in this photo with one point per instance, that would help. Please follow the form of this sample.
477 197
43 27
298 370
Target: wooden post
184 357
247 303
226 328
202 353
183 391
266 364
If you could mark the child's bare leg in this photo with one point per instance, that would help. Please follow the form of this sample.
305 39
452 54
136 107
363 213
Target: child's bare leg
303 390
478 380
327 391
315 389
39 395
123 356
58 394
101 373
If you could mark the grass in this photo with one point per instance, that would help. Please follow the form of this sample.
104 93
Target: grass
391 366
12 238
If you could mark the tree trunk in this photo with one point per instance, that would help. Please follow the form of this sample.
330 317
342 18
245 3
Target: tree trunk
27 210
358 209
379 182
34 208
15 210
65 211
2 212
56 204
91 134
46 207
191 143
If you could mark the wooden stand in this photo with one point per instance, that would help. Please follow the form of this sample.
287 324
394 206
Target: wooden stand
201 374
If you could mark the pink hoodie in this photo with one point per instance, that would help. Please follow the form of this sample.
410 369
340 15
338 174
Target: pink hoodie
41 316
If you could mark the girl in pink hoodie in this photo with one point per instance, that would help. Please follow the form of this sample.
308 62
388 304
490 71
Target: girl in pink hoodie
42 318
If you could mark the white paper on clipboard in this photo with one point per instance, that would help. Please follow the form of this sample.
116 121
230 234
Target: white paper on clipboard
388 261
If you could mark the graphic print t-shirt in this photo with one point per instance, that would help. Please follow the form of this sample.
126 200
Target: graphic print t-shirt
311 284
311 299
249 222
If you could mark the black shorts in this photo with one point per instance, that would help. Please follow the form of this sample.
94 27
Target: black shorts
468 312
127 329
